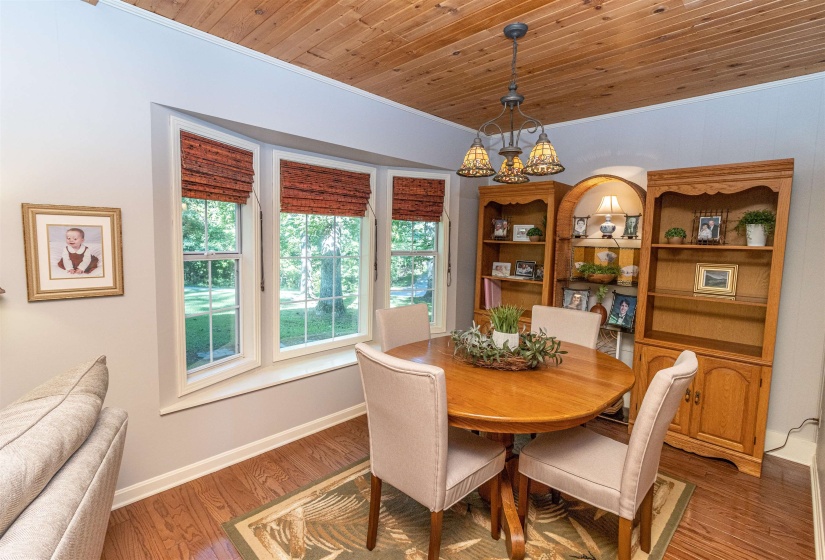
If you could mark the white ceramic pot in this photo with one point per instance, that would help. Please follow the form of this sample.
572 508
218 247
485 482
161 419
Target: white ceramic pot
500 338
755 234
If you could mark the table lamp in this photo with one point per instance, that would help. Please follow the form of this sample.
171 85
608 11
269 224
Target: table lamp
608 206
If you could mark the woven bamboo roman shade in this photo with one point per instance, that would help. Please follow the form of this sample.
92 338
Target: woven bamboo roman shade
312 189
417 200
213 170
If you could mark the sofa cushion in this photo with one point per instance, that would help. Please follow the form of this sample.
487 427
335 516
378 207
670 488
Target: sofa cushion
40 431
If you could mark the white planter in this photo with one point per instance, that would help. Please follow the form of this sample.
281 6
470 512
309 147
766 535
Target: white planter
500 338
755 234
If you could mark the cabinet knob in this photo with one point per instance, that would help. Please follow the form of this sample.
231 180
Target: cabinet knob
696 400
687 395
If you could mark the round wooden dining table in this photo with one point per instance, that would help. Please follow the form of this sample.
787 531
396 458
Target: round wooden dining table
504 403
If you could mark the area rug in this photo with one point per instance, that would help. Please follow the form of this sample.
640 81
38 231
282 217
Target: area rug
328 519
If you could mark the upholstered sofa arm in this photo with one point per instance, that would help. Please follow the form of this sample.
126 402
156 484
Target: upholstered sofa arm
68 519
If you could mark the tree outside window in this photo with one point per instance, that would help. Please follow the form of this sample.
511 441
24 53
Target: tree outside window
414 247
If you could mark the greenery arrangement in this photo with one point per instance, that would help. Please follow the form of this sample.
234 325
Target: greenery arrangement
587 269
474 347
600 293
505 318
534 231
765 217
675 232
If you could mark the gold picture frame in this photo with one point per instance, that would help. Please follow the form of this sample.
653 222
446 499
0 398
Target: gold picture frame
715 280
72 251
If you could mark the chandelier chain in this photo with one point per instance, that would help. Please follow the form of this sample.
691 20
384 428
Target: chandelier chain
513 65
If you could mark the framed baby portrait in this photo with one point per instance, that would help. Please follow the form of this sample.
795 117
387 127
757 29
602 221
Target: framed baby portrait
72 251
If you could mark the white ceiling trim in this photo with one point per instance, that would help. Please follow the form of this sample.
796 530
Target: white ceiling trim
172 24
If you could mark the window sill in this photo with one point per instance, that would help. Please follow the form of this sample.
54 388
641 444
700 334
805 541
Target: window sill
268 376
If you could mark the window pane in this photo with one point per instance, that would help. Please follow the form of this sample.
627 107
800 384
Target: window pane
401 236
316 271
347 323
321 235
350 273
293 281
225 334
349 236
319 318
401 275
424 236
293 235
195 287
222 225
427 298
400 301
224 283
423 273
193 219
293 324
197 341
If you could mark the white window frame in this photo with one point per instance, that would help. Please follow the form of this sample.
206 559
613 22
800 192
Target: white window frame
366 278
249 269
439 323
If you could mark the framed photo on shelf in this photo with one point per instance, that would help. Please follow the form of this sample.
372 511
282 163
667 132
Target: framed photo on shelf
580 226
623 312
520 232
709 226
500 227
525 269
72 251
501 269
715 280
539 273
576 299
631 226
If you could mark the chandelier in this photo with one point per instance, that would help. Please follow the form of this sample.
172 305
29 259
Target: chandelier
543 159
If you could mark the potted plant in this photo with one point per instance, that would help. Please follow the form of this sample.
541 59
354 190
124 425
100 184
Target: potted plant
534 234
757 225
504 319
534 349
675 235
599 273
599 308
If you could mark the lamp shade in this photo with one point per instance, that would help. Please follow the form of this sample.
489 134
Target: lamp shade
511 175
543 159
476 162
609 205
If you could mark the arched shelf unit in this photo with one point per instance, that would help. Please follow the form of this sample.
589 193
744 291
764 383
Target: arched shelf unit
564 226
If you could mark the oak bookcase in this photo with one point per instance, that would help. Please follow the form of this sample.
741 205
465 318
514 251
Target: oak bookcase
724 412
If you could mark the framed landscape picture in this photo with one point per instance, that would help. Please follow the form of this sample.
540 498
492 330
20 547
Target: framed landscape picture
715 279
72 251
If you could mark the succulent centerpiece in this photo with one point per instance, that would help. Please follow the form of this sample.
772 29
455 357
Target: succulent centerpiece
533 349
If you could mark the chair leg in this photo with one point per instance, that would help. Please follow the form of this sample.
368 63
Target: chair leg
625 533
435 534
495 507
523 501
646 521
375 507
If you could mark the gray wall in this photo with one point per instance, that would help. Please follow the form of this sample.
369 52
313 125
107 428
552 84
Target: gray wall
79 84
780 120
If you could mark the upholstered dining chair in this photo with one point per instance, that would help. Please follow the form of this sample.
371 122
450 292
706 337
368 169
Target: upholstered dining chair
567 325
412 447
397 326
606 473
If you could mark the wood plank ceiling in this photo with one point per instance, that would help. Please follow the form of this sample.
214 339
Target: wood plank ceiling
580 58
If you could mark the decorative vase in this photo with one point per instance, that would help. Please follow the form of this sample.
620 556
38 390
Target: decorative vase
535 238
675 240
510 338
600 309
755 234
601 278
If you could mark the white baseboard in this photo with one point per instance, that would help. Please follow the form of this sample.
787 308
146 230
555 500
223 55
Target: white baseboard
819 521
147 488
799 449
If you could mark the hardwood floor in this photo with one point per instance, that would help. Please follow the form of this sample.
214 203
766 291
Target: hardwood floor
730 515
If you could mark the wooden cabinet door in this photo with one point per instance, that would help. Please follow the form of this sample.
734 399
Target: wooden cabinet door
725 403
653 360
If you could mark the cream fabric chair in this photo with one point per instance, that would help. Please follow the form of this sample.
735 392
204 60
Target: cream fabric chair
606 473
412 448
397 326
567 325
